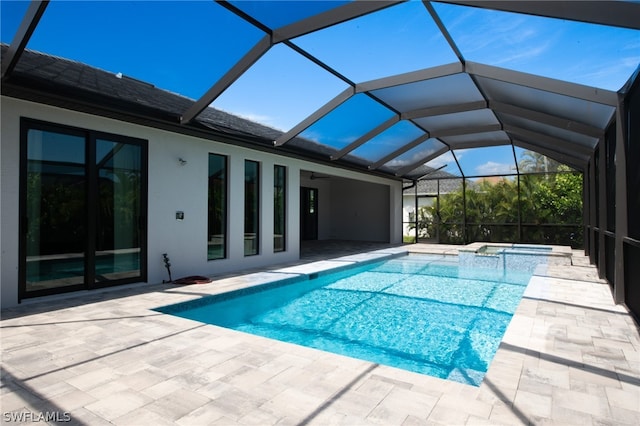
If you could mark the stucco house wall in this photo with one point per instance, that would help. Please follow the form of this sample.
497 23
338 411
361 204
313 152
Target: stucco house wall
174 187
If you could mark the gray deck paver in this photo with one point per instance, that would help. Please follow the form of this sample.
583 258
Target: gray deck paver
143 416
177 404
473 407
570 356
118 404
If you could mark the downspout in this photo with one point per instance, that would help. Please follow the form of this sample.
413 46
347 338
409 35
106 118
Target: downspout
414 184
415 197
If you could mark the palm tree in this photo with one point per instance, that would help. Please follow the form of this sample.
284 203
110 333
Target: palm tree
532 161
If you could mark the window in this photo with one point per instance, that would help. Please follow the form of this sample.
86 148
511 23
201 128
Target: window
279 207
217 214
251 206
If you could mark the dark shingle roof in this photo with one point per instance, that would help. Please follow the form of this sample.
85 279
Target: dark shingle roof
78 80
430 186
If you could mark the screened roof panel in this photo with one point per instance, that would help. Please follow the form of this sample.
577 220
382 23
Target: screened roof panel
563 155
580 110
497 137
390 140
479 117
391 41
564 152
446 163
338 128
545 129
486 161
561 49
533 162
151 41
414 156
280 89
275 14
448 90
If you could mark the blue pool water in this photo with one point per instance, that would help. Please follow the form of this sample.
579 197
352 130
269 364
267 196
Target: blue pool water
418 312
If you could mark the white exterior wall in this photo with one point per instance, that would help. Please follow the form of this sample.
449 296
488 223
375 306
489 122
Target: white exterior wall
363 210
174 187
395 213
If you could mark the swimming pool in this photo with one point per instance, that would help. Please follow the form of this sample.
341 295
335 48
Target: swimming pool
514 248
420 313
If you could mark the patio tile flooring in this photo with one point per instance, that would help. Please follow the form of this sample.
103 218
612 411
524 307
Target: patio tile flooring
570 356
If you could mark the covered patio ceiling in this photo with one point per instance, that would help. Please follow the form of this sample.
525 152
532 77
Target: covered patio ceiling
401 88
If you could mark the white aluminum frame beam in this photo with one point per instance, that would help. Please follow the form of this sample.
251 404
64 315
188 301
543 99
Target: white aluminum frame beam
403 171
366 137
417 141
317 115
443 29
251 57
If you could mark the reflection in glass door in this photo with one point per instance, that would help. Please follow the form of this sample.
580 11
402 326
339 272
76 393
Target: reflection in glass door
82 210
54 228
118 237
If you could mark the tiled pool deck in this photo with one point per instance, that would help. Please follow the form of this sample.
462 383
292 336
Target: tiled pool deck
570 356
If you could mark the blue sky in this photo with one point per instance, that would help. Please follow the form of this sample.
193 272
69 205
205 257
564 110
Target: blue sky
185 46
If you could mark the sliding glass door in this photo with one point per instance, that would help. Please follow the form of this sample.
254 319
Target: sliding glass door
83 214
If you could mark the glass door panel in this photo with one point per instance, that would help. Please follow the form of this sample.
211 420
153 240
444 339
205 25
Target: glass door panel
308 213
118 229
55 210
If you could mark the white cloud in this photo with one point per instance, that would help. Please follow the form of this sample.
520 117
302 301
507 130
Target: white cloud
492 168
441 160
324 138
258 118
632 45
266 120
609 75
524 54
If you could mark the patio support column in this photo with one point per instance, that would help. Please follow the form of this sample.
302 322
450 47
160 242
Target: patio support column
602 208
464 210
519 212
438 212
620 200
586 210
592 209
